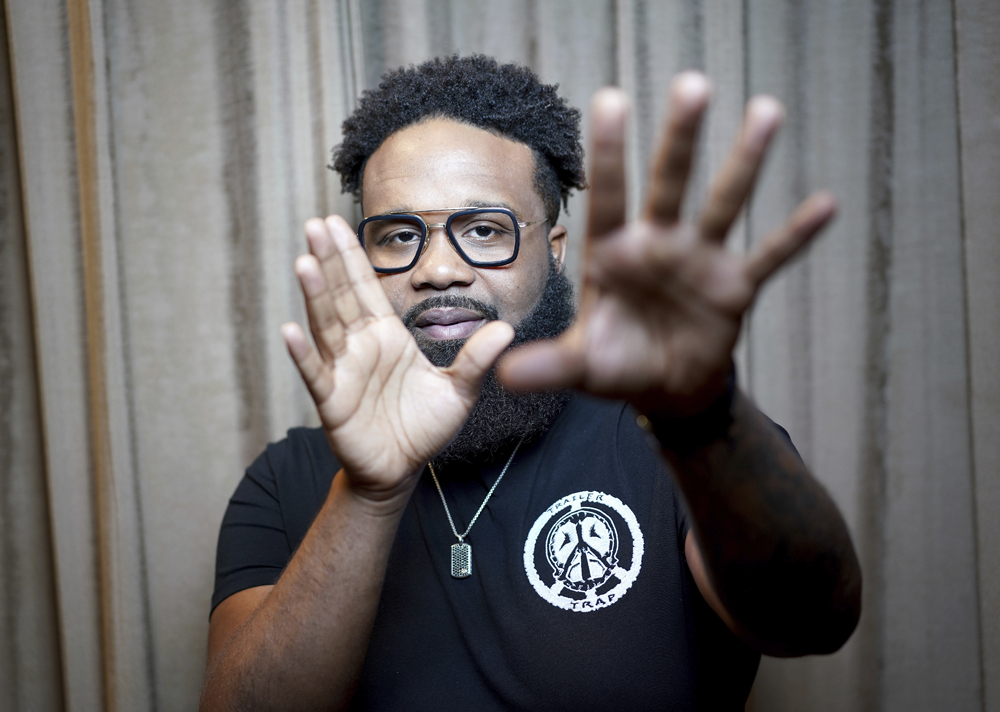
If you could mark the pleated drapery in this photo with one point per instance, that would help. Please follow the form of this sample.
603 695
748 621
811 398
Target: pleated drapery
158 159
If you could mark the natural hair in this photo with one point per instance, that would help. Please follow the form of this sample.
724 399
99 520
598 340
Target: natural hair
504 99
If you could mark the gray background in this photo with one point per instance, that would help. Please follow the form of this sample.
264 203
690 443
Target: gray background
157 161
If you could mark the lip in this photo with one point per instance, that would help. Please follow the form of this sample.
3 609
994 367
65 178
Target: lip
445 323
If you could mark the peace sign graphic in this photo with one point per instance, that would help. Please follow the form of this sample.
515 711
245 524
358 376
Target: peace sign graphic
582 548
584 551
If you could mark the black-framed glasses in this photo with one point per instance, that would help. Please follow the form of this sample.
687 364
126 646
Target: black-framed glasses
484 237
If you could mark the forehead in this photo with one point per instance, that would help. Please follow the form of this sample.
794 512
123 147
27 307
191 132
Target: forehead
443 163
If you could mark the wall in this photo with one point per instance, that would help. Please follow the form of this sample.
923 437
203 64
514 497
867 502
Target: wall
157 161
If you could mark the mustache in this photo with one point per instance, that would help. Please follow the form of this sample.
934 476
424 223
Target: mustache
485 310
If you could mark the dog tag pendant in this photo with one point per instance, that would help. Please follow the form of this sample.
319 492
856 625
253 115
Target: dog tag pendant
461 560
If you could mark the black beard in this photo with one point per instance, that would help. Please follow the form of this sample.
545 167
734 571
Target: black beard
500 418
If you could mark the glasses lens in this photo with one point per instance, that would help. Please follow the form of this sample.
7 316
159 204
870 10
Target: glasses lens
485 236
391 243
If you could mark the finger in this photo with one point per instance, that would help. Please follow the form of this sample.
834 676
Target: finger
348 273
543 365
730 190
478 355
781 245
323 245
314 371
606 211
689 94
364 282
321 307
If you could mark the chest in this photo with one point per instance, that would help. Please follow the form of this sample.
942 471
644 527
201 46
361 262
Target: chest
579 596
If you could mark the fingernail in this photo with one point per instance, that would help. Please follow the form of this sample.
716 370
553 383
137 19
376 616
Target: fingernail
692 86
766 109
610 104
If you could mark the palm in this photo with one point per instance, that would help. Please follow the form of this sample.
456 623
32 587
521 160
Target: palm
663 299
642 353
386 392
385 408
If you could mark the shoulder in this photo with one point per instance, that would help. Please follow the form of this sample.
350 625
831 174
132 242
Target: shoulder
586 415
298 443
297 472
302 450
602 437
604 424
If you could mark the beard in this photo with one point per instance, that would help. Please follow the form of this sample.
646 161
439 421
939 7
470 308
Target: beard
500 419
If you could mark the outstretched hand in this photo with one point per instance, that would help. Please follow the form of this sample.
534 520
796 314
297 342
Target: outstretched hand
385 408
663 299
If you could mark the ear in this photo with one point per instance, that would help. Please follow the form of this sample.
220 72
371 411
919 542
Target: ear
557 244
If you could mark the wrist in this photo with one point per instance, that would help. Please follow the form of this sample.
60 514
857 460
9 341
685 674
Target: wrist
378 502
683 435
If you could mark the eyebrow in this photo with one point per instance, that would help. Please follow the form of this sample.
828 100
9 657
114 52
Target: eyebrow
466 204
490 204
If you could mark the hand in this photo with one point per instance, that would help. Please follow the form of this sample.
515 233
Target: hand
385 408
662 300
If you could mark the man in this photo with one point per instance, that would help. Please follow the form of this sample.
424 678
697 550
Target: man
545 558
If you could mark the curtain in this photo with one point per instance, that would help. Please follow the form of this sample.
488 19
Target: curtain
158 159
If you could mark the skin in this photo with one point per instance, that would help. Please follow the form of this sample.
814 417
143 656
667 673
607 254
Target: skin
661 309
470 167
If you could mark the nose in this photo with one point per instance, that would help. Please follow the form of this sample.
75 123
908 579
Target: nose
440 266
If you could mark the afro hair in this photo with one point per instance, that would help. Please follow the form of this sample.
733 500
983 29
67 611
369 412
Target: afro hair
508 100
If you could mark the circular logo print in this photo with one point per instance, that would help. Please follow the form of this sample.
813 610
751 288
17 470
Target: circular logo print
584 552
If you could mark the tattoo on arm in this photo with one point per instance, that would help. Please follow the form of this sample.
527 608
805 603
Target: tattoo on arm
775 546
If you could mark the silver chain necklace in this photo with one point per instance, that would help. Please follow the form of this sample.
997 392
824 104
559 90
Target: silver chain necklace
461 553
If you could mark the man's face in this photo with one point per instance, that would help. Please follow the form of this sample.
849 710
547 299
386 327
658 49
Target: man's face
446 164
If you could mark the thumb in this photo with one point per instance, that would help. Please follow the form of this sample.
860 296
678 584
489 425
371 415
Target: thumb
544 365
477 356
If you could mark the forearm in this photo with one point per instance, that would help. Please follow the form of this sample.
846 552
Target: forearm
774 544
304 645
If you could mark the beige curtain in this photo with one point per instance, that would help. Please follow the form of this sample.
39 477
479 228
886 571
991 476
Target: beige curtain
157 160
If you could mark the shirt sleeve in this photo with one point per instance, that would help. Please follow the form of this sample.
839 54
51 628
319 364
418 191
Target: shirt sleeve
272 510
253 547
